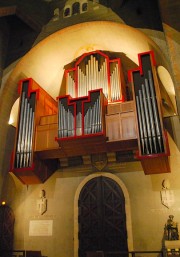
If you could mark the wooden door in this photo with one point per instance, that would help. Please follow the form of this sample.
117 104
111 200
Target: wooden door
102 218
6 228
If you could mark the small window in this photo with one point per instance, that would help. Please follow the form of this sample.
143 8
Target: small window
84 7
76 8
67 12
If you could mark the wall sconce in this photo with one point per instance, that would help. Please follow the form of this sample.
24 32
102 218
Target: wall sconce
167 195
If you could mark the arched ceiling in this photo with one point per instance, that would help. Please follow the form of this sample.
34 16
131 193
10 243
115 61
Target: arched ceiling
45 62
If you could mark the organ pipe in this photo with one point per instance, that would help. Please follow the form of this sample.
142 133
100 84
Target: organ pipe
94 72
152 124
80 117
148 118
25 133
156 113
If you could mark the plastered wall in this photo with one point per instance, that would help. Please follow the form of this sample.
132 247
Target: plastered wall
148 214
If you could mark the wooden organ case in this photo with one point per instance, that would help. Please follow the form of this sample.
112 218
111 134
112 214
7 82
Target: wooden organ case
92 117
34 103
152 138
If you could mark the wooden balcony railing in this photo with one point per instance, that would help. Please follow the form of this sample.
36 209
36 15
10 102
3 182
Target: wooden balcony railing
21 253
126 254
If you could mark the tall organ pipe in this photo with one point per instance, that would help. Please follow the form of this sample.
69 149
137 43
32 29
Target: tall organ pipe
143 122
140 125
155 110
152 122
25 132
147 119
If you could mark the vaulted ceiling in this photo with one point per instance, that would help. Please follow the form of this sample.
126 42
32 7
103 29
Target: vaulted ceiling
24 19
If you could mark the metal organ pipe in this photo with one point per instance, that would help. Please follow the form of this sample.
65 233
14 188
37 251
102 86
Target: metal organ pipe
71 85
143 122
70 123
104 79
155 110
25 136
87 78
18 150
25 133
79 81
99 122
151 115
28 146
65 121
148 118
92 118
94 75
79 124
115 85
73 121
141 131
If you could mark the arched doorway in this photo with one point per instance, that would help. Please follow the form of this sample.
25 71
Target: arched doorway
7 228
101 216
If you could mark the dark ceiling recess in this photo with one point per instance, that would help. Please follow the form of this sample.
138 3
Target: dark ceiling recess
31 15
21 39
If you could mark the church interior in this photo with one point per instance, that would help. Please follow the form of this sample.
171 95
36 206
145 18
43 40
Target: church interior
89 128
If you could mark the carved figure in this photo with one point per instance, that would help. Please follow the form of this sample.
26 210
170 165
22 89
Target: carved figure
42 203
171 229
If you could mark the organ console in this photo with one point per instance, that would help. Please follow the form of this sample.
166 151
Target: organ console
93 117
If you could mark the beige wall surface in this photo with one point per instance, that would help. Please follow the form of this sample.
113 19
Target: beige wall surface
148 214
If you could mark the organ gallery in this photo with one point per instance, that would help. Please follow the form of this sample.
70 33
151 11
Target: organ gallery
97 114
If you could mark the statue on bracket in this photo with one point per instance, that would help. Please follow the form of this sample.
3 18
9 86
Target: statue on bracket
167 195
42 203
171 229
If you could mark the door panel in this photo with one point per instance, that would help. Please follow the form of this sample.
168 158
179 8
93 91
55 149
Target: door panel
102 219
6 228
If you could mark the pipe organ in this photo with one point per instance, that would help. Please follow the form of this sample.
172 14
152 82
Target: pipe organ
152 141
34 103
151 138
23 154
93 117
81 116
93 71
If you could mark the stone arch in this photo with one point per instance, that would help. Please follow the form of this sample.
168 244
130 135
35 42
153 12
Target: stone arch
127 208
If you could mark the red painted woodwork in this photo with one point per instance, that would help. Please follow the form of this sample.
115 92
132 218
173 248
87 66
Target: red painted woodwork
36 171
74 71
119 128
152 163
